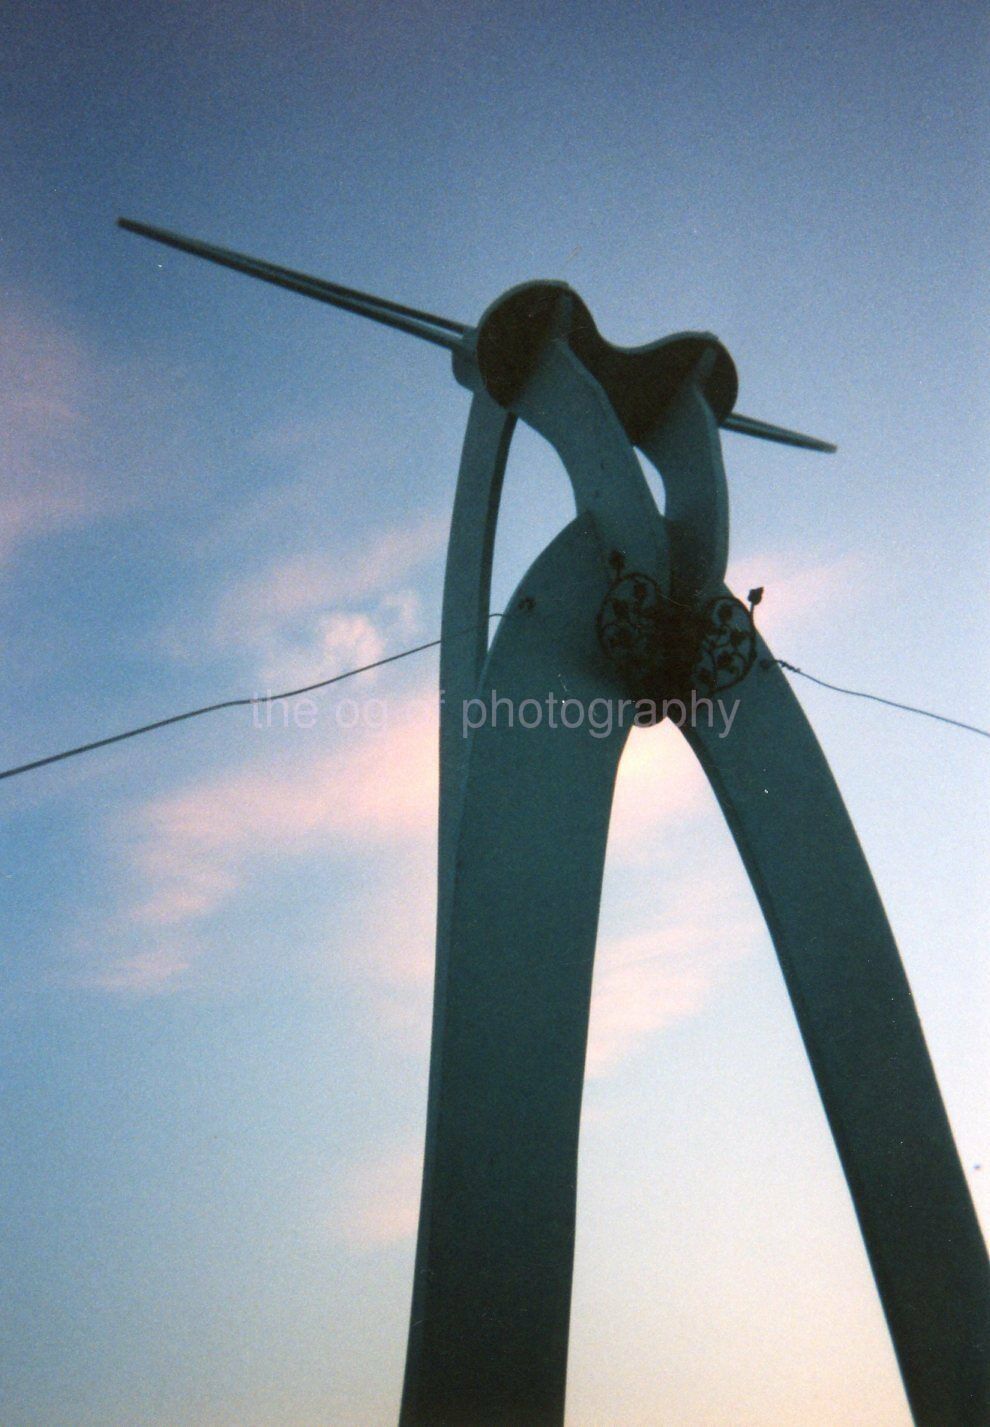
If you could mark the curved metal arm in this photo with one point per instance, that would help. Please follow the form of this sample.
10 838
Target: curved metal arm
515 946
686 450
864 1040
570 409
523 824
467 594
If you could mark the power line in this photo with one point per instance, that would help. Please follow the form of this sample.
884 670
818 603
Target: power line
875 698
404 654
237 703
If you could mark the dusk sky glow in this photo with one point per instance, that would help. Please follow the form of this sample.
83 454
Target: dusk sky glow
219 938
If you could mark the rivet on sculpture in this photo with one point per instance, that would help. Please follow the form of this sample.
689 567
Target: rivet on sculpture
627 603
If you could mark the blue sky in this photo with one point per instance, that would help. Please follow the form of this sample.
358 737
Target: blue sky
217 946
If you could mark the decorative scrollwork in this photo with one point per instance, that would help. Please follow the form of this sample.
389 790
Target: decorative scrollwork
634 627
727 648
658 645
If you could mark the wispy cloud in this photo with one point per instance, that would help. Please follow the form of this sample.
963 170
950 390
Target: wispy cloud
46 381
255 610
334 643
376 1201
660 783
25 517
314 614
376 787
150 971
800 592
650 979
84 434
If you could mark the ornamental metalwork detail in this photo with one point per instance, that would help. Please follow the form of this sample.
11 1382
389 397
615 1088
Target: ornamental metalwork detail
660 645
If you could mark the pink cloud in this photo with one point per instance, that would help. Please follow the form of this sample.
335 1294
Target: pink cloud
375 788
45 373
648 980
660 783
377 1200
390 948
80 433
192 850
798 593
29 515
46 385
312 616
335 642
257 608
156 969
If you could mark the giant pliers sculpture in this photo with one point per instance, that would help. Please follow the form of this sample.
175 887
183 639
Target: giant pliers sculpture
627 603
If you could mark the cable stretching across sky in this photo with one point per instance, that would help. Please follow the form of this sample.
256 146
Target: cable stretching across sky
244 702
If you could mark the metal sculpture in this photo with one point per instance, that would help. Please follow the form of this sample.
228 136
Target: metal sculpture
630 605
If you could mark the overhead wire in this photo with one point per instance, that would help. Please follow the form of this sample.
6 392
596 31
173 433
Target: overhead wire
238 703
246 702
877 698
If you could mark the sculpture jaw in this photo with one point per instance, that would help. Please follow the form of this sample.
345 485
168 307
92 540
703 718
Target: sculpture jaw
641 382
667 398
